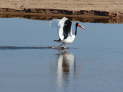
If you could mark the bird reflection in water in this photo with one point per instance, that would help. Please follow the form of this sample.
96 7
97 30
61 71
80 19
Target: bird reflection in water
66 68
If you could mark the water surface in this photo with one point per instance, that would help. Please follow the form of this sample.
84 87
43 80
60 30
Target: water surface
92 64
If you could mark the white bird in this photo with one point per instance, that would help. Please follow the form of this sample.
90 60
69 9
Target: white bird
66 35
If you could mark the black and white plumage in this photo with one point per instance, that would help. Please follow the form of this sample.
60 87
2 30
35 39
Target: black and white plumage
66 35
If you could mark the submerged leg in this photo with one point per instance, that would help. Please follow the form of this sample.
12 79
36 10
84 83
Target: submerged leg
62 44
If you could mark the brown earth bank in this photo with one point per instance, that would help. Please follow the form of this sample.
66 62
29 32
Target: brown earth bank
106 11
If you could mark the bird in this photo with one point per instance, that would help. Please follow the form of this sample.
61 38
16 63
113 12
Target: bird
65 32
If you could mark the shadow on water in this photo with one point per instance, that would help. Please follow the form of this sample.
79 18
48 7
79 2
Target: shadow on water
33 47
23 47
66 68
30 47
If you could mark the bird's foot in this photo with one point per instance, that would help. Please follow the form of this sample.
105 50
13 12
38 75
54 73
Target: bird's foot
59 47
57 40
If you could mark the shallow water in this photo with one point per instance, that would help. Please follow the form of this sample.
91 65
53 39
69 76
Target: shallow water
94 63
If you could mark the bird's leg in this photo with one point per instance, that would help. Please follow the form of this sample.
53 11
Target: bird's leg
62 44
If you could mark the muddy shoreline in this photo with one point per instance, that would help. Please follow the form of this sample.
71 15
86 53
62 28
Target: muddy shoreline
79 15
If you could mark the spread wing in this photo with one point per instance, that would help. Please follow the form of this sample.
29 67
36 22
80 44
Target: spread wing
64 28
67 28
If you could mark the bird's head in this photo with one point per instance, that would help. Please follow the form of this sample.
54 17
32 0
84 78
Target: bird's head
80 26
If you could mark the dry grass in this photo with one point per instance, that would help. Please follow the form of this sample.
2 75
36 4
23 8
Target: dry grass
103 5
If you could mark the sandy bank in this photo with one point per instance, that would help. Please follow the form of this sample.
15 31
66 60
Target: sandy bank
102 5
77 9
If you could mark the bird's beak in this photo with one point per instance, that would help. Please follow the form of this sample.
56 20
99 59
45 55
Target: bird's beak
82 27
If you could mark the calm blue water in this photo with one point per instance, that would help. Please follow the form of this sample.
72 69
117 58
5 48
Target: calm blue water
94 63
